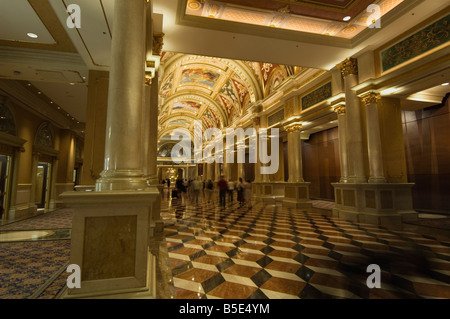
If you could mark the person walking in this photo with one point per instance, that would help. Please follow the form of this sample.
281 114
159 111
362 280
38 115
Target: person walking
196 186
209 190
248 193
240 192
231 186
223 188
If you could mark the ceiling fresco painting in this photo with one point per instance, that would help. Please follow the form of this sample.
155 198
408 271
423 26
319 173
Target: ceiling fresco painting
216 91
187 105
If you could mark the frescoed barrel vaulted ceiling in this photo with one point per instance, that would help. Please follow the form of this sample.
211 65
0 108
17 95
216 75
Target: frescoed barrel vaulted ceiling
213 90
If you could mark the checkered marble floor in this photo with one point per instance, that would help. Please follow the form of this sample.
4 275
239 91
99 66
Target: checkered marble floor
274 252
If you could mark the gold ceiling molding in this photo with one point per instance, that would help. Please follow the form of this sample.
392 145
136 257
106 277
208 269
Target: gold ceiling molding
51 22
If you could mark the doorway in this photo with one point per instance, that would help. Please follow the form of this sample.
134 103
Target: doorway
5 162
42 182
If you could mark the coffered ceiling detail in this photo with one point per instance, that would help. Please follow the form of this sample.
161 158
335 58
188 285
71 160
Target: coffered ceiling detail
318 17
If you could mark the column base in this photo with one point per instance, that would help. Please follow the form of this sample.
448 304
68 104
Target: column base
296 195
110 242
268 192
144 293
386 205
121 180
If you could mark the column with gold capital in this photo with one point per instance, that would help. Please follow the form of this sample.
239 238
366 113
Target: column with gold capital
370 100
296 190
342 129
295 153
356 166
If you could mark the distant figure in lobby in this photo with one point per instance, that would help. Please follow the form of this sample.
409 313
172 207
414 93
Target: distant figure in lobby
240 192
248 193
209 189
223 188
197 186
231 186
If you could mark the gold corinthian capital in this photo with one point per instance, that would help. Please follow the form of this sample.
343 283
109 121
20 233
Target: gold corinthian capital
339 109
348 67
293 127
370 98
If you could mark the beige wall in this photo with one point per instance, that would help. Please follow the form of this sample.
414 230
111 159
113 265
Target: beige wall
95 133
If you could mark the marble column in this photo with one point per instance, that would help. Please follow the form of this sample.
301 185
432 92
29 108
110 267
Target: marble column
356 167
111 226
123 169
256 125
264 148
342 130
295 153
374 138
152 155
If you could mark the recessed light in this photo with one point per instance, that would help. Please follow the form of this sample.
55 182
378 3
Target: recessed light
32 35
39 92
347 18
445 84
59 108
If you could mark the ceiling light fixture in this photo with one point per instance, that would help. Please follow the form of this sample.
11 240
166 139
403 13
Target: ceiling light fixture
347 18
32 35
445 84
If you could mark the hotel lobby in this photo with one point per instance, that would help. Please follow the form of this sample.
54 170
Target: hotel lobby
328 122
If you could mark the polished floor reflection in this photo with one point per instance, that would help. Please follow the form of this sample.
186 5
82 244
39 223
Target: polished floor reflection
269 251
263 251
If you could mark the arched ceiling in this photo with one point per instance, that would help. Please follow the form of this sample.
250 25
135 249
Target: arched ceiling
214 90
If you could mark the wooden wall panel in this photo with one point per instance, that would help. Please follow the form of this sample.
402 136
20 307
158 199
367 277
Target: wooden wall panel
427 144
321 164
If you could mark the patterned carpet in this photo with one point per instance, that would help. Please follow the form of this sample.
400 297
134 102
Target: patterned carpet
59 219
28 268
275 252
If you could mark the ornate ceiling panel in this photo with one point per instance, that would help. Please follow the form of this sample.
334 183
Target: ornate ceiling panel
213 90
319 17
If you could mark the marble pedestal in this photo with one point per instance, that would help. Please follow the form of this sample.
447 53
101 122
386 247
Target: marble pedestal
296 195
387 205
268 192
156 223
110 239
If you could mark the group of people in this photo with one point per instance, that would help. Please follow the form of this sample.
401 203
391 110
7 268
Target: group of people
243 189
192 189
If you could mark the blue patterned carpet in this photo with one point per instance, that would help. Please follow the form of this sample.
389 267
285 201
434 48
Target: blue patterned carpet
29 269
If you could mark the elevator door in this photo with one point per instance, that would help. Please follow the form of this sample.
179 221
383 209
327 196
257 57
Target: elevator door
4 172
41 184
